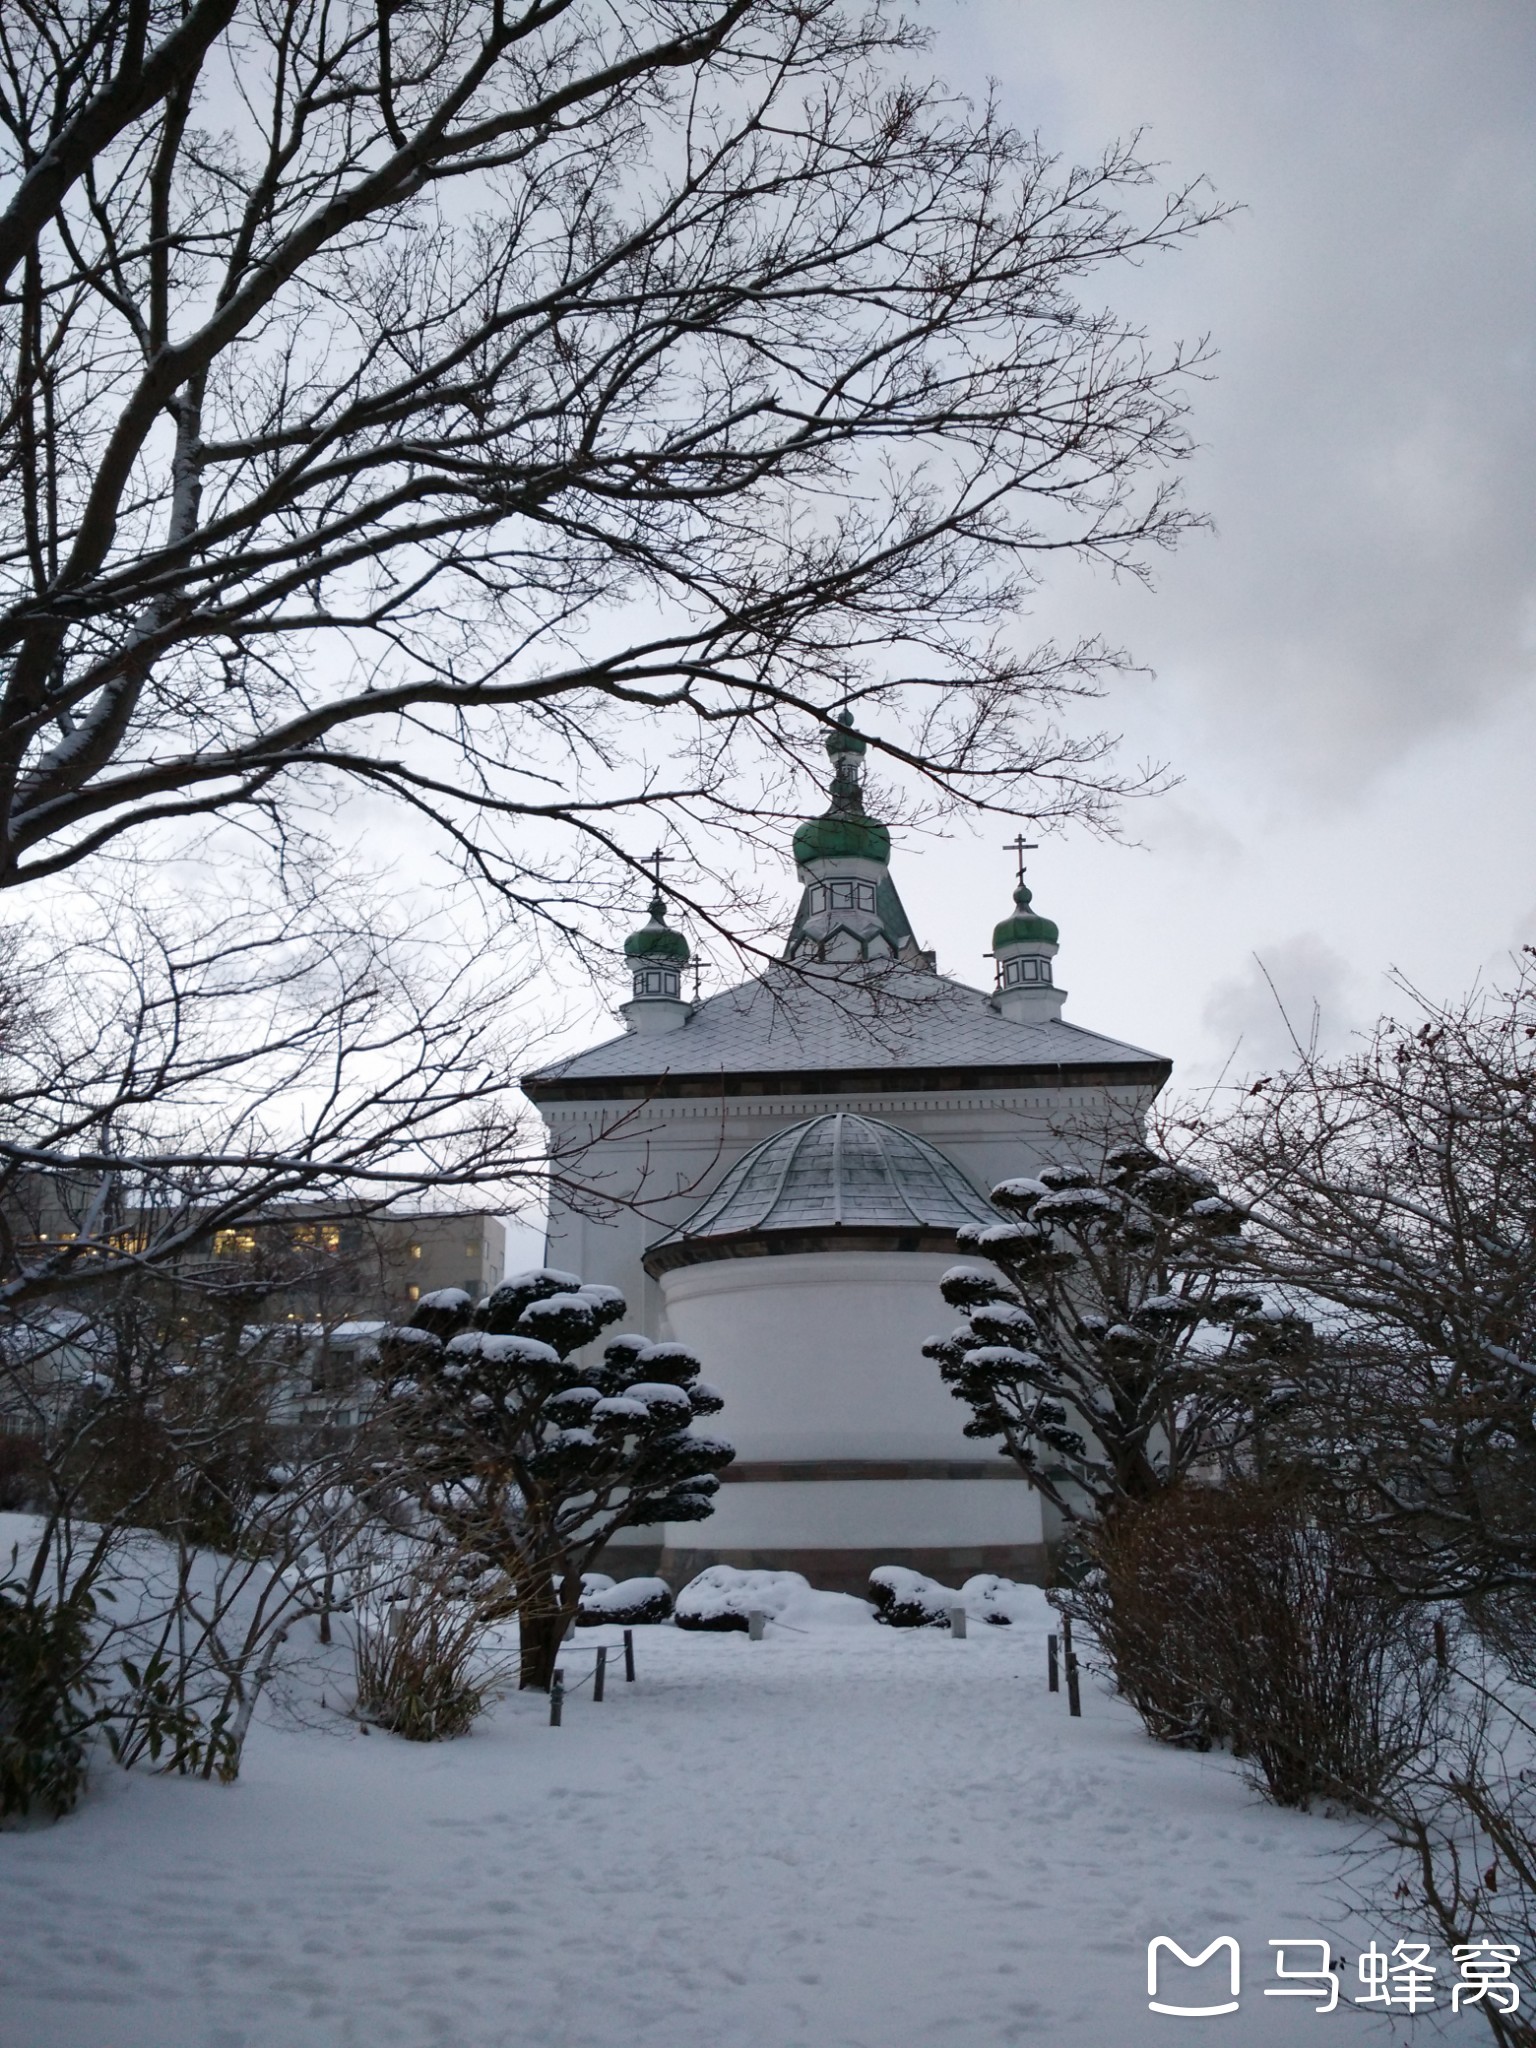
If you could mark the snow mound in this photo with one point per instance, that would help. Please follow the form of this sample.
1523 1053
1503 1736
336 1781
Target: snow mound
1003 1601
452 1300
905 1599
629 1604
722 1597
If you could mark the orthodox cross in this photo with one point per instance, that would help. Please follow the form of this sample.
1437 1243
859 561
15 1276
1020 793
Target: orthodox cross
1021 846
656 860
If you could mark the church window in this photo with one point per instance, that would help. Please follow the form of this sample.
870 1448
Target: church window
1026 972
847 896
657 981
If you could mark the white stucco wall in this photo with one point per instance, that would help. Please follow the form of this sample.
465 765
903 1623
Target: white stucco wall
818 1354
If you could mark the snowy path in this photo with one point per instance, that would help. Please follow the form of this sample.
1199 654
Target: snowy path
847 1839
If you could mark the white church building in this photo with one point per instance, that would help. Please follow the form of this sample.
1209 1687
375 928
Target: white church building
782 1168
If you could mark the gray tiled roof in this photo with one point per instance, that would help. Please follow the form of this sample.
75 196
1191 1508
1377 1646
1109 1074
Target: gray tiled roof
839 1172
830 1021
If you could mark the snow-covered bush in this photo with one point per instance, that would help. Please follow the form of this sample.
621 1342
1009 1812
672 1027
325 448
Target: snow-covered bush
998 1601
905 1599
526 1461
723 1597
629 1604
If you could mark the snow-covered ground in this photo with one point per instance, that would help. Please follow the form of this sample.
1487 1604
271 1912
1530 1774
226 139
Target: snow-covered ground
842 1837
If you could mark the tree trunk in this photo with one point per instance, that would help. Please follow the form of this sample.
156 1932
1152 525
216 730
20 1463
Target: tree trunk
541 1620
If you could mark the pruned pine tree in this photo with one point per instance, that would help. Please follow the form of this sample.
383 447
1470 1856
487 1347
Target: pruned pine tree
1110 1350
529 1460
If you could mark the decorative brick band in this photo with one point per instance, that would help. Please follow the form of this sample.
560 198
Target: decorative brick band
756 1471
834 1237
553 1087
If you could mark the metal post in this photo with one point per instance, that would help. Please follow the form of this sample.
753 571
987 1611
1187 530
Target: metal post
556 1698
599 1675
957 1623
1074 1698
1052 1665
757 1622
629 1656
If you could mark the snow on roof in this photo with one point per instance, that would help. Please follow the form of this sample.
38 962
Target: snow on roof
841 1021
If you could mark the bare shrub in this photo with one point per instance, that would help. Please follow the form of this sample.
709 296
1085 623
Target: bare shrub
1465 1824
416 1657
1236 1614
1141 1599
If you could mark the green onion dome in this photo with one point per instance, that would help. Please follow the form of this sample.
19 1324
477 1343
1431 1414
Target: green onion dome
842 837
1023 928
844 833
844 740
655 941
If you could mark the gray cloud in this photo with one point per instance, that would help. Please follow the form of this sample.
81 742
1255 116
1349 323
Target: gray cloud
1370 438
1297 992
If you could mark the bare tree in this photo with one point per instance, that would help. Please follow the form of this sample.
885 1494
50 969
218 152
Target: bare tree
1392 1195
186 1071
541 414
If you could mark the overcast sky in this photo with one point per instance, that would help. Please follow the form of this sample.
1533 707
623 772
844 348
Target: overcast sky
1344 668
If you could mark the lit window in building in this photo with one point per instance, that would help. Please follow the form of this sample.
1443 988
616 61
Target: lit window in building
415 1251
413 1293
324 1237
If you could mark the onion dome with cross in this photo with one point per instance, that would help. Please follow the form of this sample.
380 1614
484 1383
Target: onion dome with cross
1024 945
657 956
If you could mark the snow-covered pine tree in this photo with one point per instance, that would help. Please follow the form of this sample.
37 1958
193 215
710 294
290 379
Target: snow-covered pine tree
529 1462
1110 1349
